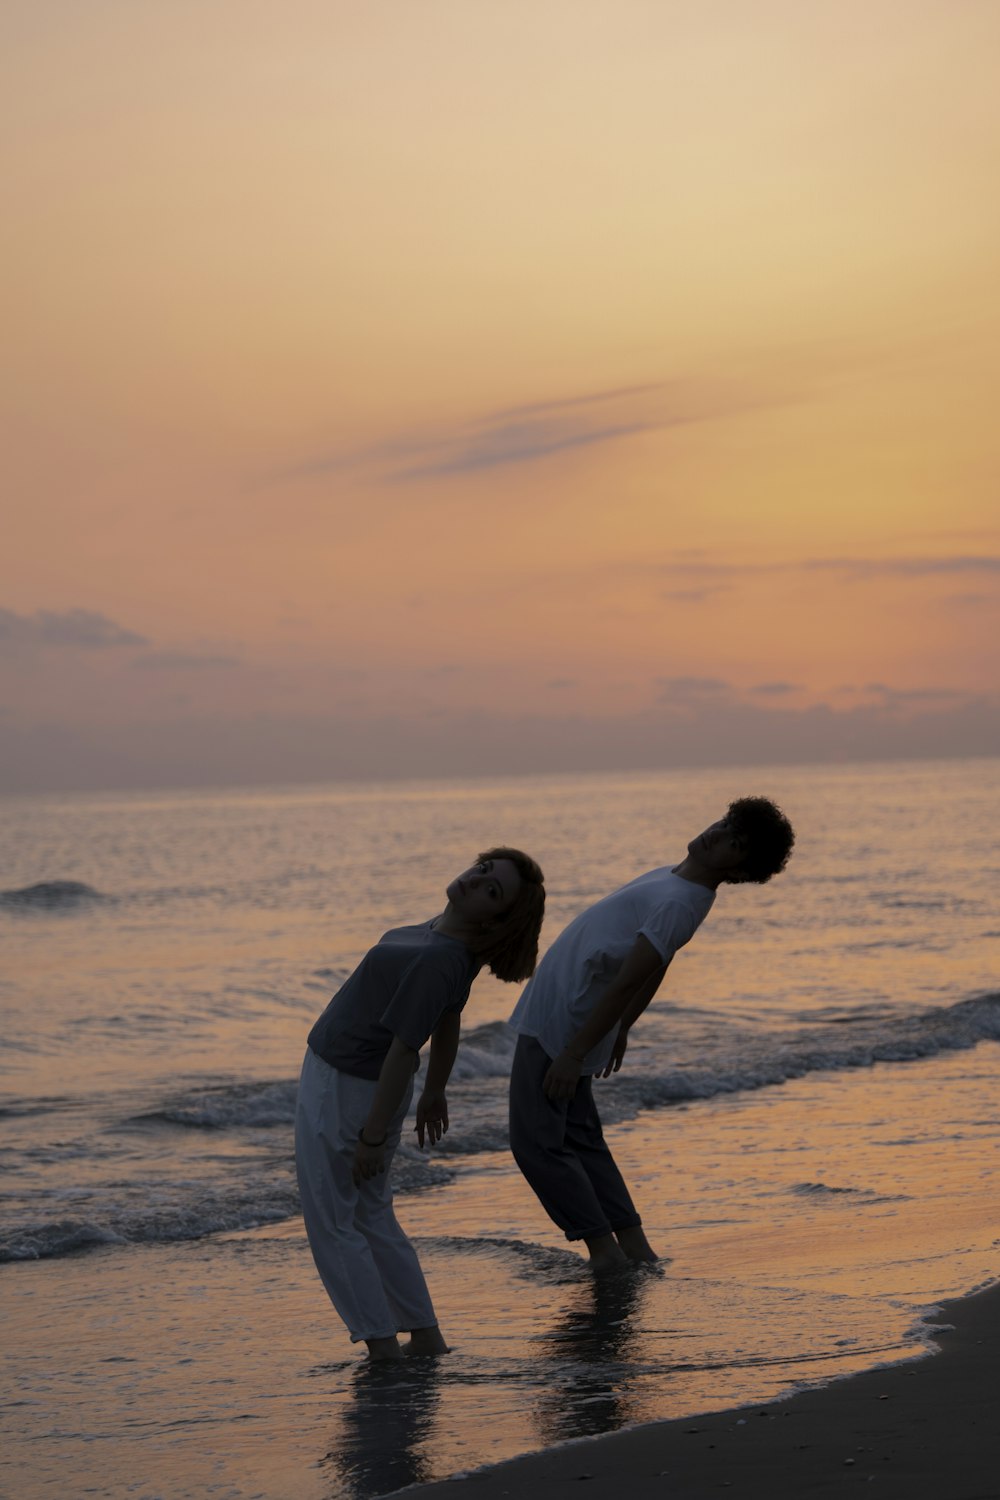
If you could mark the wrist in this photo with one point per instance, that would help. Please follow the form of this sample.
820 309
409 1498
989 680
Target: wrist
372 1145
575 1055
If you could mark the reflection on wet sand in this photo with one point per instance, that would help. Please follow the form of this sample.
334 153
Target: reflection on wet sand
380 1443
592 1347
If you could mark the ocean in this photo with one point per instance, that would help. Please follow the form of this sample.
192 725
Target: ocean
808 1115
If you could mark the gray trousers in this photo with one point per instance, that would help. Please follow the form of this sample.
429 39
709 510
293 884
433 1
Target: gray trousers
365 1261
560 1148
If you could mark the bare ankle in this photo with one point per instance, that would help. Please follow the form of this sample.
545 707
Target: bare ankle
426 1341
605 1252
635 1245
383 1349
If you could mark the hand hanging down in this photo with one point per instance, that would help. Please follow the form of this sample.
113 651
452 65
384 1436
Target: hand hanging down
615 1060
369 1160
432 1117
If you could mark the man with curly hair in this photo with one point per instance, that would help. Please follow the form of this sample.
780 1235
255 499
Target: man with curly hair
574 1017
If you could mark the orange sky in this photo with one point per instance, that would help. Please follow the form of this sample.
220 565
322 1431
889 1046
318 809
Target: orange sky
403 389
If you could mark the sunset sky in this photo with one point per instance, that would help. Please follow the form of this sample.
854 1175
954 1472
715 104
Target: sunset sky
459 386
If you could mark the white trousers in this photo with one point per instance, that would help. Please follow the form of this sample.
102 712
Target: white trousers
368 1266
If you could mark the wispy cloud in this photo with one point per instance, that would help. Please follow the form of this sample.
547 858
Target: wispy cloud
891 695
694 596
530 432
706 695
526 433
533 431
902 567
182 661
518 443
80 628
851 567
691 688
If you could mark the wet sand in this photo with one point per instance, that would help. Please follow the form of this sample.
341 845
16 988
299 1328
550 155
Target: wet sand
929 1427
216 1367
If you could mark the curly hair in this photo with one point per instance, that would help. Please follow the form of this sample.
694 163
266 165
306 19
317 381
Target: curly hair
768 834
511 950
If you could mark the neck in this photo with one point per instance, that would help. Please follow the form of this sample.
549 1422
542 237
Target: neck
455 926
690 869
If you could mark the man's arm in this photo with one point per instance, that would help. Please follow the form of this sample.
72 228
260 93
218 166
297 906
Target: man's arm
644 994
633 1011
432 1106
627 994
397 1070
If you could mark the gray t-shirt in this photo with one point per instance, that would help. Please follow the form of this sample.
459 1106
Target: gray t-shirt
585 958
402 987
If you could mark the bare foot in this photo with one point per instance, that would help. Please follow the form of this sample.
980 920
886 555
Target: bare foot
605 1254
384 1349
636 1246
426 1341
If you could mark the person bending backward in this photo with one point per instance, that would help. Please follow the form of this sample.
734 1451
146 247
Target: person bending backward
574 1017
357 1082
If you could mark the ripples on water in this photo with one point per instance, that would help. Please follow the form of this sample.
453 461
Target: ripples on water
166 955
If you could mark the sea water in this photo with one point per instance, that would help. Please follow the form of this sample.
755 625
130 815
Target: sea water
806 1112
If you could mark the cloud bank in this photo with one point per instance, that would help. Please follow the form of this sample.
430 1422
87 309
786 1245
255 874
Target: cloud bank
78 628
711 726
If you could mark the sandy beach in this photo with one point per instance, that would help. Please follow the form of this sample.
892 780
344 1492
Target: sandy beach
927 1428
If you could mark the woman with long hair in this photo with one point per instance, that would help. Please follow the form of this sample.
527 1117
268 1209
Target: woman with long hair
357 1082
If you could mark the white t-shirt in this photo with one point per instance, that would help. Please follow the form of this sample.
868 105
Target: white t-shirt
586 957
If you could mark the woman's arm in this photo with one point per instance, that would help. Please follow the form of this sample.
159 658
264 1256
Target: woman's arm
432 1106
397 1070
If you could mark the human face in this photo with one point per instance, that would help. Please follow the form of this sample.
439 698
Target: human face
486 890
718 849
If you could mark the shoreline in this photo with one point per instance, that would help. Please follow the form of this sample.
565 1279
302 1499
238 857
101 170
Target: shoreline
922 1429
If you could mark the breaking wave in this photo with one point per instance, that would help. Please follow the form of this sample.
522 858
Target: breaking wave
245 1177
51 895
